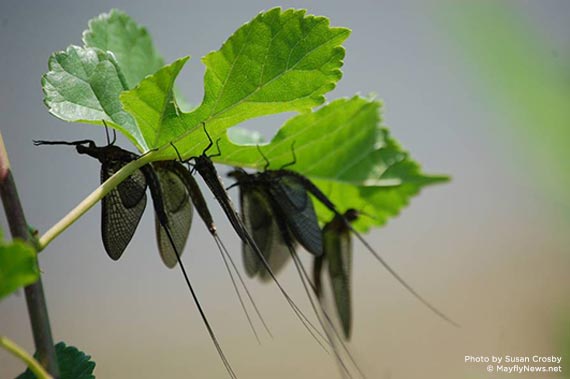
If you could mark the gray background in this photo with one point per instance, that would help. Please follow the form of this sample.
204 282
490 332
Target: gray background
488 248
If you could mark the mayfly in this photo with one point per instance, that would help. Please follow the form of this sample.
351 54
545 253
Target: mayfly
337 262
290 188
205 167
123 206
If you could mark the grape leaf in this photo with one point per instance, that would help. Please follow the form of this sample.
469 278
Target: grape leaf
83 85
130 43
73 364
18 266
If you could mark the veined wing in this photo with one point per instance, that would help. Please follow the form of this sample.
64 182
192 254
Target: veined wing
295 204
260 222
338 251
121 209
178 210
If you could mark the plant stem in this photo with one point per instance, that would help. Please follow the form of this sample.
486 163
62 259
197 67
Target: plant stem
17 351
35 299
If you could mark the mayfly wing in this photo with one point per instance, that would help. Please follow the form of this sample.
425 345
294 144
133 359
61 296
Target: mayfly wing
260 222
252 218
278 255
178 210
297 208
121 209
338 251
256 219
318 263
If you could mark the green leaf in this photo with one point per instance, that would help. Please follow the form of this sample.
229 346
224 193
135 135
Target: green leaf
280 61
18 266
130 43
343 149
83 85
73 364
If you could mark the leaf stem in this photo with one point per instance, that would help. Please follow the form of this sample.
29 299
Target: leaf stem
35 299
23 355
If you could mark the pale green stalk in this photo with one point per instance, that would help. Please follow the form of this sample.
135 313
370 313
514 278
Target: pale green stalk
23 355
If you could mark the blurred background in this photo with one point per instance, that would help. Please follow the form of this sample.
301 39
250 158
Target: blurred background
477 90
